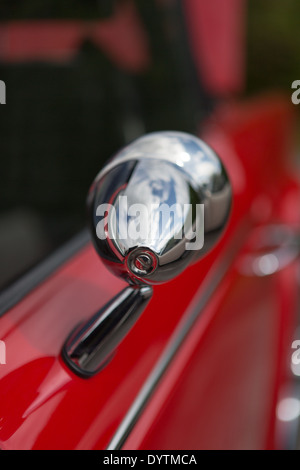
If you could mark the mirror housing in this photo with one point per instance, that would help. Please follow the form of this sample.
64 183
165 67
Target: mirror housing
159 204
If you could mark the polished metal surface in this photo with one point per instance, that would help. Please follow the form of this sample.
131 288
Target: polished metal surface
89 347
274 248
205 292
157 205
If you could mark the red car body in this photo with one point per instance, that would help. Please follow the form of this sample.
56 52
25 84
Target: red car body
205 365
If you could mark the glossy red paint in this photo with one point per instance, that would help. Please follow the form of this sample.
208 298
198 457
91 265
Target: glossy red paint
222 387
220 57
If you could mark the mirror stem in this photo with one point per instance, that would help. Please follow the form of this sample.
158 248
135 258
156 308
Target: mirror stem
91 345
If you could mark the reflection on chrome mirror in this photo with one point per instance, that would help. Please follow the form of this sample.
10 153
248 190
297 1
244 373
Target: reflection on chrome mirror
167 194
158 205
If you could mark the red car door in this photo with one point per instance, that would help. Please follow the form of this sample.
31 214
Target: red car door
204 365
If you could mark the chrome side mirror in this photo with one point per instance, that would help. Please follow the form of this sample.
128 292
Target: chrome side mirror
158 205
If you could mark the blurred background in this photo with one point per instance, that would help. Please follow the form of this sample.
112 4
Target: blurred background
85 77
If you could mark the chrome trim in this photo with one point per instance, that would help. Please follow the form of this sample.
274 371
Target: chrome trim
172 180
264 261
195 310
185 192
89 348
176 180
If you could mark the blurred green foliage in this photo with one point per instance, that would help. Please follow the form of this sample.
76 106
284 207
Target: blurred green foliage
273 44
